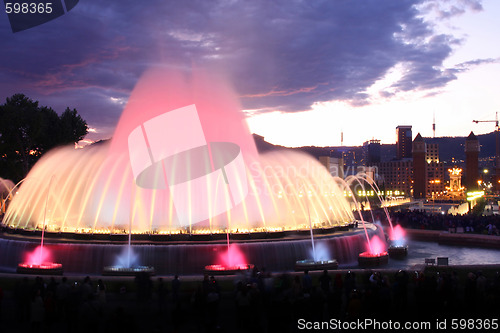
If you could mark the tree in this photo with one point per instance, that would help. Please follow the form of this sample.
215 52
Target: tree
74 128
28 130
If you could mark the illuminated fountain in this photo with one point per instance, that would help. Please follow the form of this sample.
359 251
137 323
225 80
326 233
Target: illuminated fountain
6 187
229 262
40 260
177 216
397 248
127 263
320 259
375 255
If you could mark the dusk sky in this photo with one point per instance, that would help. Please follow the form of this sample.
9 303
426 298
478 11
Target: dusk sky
304 70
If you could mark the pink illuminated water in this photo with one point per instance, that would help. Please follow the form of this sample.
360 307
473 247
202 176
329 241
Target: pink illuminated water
398 235
93 190
377 246
41 255
232 257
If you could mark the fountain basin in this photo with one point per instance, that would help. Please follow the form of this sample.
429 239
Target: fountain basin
367 259
318 265
398 252
127 271
47 268
227 270
168 257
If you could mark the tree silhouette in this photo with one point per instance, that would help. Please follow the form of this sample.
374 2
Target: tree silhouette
28 130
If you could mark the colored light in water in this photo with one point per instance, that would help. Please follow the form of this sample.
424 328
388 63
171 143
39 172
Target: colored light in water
232 257
321 252
41 255
127 258
377 246
47 266
93 190
398 235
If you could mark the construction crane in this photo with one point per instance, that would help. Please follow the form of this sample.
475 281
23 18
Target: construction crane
497 154
489 121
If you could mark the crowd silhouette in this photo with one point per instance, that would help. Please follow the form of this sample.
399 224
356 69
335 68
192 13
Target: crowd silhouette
256 301
468 223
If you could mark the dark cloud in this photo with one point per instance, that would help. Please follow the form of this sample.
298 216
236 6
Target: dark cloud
281 55
424 65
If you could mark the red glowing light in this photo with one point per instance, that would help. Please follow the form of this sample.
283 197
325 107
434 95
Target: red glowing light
398 233
377 246
373 255
47 265
232 257
39 261
221 268
40 256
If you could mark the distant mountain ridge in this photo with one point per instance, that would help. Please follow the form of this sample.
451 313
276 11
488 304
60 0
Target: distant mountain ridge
449 147
454 146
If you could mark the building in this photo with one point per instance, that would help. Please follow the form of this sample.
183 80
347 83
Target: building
396 177
471 162
455 190
422 176
432 152
419 168
334 165
353 160
371 150
435 171
403 142
435 179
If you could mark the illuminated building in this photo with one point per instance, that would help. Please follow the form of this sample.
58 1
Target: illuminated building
397 177
422 176
435 179
435 171
432 152
419 168
455 190
403 142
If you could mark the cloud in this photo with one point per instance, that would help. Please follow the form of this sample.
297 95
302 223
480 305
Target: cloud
280 55
464 66
446 9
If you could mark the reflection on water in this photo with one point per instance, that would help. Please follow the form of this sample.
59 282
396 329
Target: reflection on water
457 255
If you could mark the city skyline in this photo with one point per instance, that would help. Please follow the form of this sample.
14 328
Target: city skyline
304 72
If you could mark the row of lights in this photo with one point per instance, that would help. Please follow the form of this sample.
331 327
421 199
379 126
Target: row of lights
474 195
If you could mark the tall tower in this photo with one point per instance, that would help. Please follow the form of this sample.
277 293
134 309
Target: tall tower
419 168
471 162
403 142
434 125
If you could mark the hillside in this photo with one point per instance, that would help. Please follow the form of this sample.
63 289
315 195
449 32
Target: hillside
449 147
